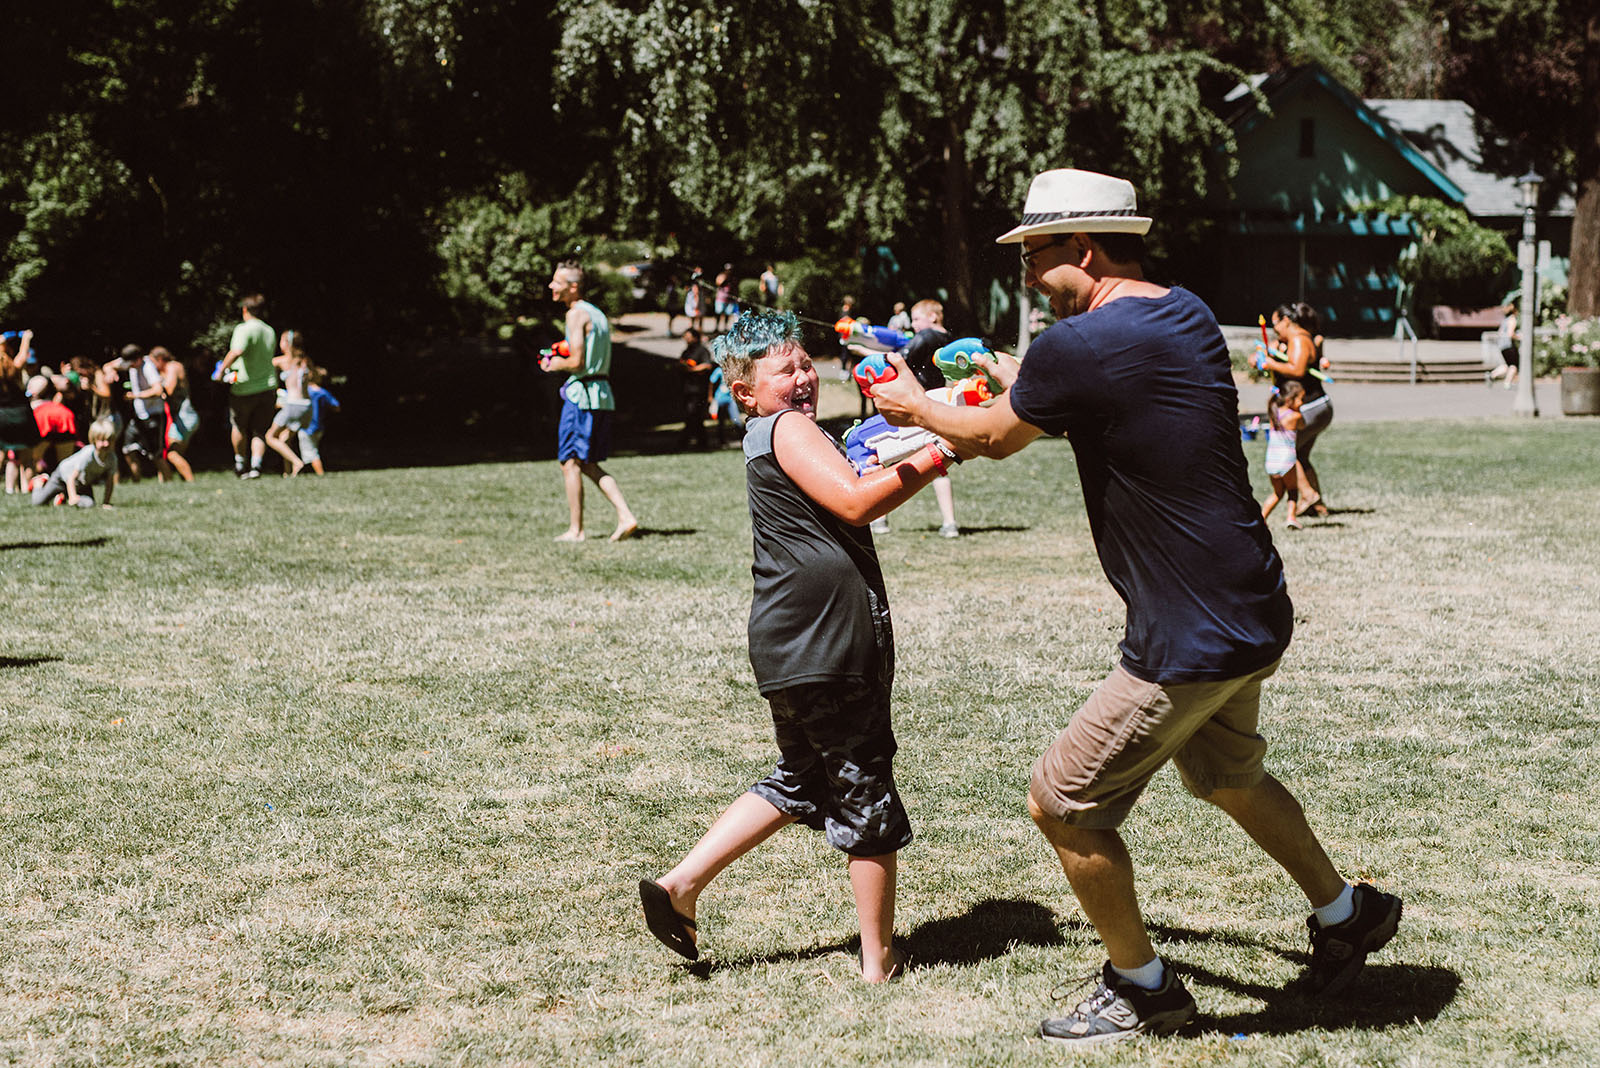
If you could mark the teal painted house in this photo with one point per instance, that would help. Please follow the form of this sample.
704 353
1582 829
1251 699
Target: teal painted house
1291 231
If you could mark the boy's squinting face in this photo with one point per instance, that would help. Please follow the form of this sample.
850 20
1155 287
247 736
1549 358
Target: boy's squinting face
784 378
101 445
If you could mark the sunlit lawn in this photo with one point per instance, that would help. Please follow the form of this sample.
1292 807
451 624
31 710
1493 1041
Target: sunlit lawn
364 771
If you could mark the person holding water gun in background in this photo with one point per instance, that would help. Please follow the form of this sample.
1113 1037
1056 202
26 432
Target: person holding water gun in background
1300 339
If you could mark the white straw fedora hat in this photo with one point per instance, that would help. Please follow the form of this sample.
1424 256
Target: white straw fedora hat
1068 201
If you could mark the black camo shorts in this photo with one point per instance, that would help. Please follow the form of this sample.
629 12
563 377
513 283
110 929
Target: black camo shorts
835 753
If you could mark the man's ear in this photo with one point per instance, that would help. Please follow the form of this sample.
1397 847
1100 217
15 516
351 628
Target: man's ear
742 393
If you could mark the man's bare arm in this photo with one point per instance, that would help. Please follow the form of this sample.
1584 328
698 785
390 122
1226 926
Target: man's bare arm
995 431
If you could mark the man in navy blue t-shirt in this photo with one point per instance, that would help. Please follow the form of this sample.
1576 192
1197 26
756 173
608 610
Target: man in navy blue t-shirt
1137 377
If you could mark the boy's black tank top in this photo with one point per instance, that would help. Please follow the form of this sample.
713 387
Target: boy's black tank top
820 611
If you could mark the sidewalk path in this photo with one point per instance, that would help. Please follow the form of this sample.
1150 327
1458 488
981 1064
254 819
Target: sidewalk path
1353 402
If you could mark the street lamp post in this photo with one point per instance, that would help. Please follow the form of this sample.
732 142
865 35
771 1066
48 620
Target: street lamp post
1527 403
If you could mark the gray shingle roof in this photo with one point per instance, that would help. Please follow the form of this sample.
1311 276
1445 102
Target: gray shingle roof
1446 132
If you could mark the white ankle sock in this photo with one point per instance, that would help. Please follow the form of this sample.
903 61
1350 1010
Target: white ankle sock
1339 909
1147 977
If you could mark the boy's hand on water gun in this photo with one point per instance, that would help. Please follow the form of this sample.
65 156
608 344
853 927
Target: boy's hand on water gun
560 350
873 368
1258 358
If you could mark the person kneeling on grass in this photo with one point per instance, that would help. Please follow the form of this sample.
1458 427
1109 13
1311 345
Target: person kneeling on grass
821 645
95 462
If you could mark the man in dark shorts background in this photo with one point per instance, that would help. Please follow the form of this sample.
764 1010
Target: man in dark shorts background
1137 377
252 384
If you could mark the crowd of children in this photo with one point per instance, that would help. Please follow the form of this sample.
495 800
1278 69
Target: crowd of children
70 430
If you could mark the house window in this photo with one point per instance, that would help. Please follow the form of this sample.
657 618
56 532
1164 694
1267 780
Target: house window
1308 138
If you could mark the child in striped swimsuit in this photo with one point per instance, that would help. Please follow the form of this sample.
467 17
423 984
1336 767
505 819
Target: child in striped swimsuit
1283 418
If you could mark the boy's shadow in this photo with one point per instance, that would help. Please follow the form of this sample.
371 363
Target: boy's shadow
987 930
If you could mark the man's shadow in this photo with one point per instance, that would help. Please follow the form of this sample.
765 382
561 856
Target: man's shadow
1384 996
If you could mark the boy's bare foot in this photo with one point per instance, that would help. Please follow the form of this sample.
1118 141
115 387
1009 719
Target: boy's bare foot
894 968
1308 503
571 535
625 529
299 467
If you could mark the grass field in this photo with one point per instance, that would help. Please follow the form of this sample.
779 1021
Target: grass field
363 770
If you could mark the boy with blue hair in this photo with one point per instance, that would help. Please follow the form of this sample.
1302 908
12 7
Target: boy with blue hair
821 644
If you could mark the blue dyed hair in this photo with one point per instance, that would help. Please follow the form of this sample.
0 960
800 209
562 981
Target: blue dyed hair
754 334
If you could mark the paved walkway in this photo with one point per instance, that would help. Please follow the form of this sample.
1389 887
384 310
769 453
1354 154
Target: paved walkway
1353 402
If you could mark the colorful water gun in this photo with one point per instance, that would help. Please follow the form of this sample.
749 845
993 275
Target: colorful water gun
1260 358
955 362
877 338
873 442
559 349
870 370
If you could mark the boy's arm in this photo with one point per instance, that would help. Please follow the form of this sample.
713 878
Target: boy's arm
809 458
577 329
111 484
71 480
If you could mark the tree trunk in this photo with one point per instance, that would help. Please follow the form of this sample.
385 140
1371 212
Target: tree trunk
955 212
1583 294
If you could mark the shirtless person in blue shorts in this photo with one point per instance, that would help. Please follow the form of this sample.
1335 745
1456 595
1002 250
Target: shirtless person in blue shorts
587 404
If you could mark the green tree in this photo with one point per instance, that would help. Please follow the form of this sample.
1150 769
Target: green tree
1532 68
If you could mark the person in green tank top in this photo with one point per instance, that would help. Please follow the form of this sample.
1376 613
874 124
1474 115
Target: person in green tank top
587 404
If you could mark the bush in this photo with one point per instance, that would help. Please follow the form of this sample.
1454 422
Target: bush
1467 270
1576 343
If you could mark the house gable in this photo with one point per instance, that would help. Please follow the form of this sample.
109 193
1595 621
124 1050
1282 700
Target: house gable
1319 154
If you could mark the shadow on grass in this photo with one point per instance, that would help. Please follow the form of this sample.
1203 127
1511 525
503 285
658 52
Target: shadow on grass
89 543
987 930
26 661
1385 995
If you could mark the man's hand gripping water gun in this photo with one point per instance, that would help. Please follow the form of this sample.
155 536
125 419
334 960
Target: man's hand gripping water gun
969 368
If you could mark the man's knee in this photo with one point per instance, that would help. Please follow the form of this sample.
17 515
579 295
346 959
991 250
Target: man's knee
1050 825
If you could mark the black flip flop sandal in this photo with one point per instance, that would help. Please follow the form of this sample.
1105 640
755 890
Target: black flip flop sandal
671 927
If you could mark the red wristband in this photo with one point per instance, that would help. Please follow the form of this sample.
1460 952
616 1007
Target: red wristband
938 460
